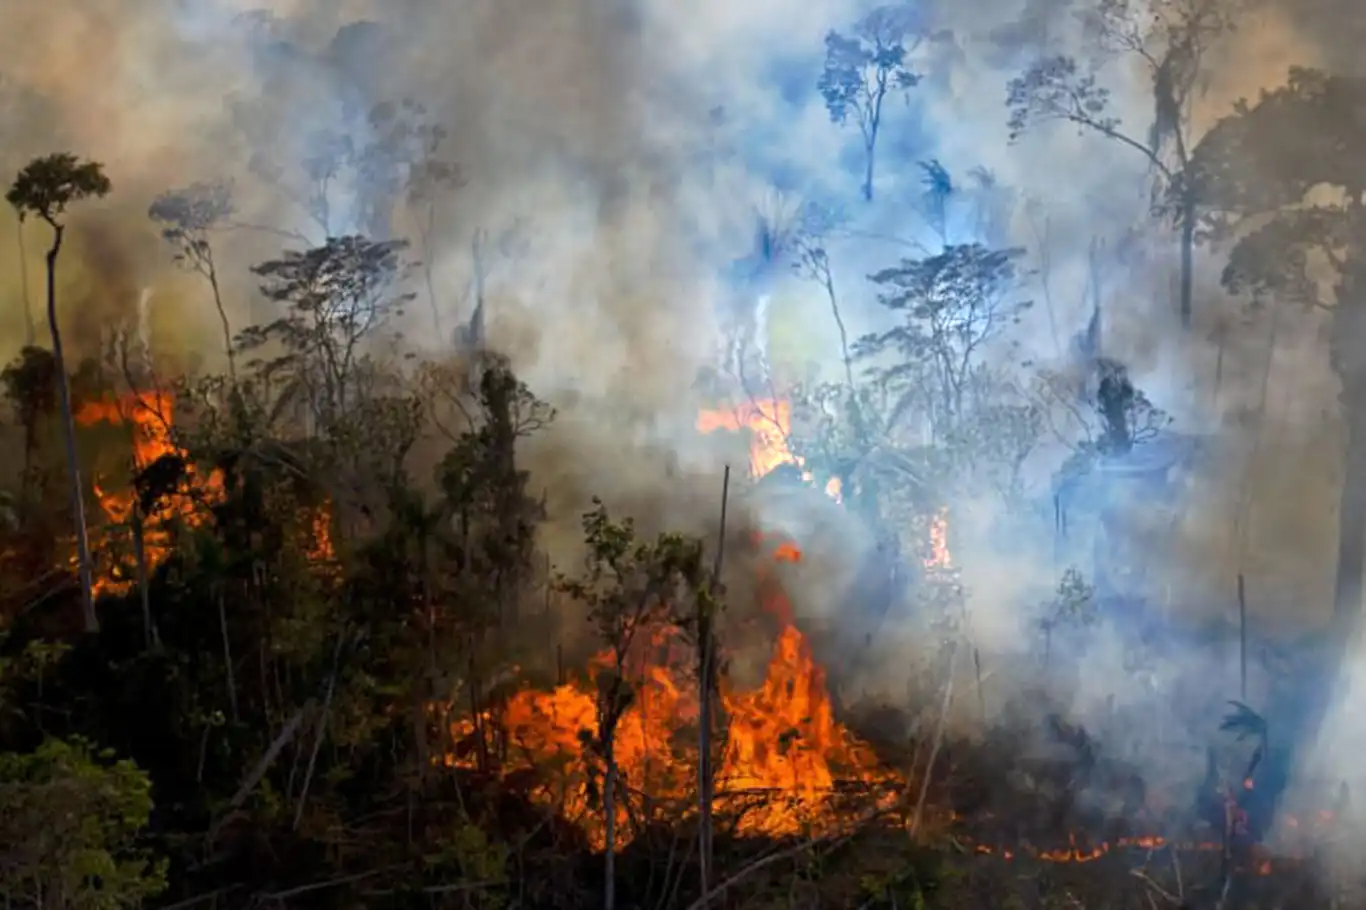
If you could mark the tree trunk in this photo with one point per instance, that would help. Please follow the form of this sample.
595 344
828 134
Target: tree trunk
609 811
144 590
92 623
30 330
1351 562
868 161
1187 260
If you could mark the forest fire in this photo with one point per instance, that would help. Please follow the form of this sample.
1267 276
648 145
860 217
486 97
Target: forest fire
769 423
787 765
149 419
785 756
148 416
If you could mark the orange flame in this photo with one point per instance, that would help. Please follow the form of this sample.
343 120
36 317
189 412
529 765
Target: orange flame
769 423
784 752
149 416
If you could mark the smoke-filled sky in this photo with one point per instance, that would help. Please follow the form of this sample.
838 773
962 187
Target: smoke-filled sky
615 153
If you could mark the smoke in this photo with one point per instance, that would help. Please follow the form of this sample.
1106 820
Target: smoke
613 155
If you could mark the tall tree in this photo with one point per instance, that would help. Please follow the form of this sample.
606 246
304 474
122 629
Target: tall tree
44 188
187 217
862 69
1171 40
1255 170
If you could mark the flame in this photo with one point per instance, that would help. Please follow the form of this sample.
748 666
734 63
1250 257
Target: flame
939 556
149 417
769 423
784 755
784 758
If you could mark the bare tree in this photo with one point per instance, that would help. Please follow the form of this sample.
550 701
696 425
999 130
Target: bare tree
862 69
187 216
1171 38
44 188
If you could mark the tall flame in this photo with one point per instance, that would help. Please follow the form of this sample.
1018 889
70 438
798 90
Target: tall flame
784 752
769 423
149 417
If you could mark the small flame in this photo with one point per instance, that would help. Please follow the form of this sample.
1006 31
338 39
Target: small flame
939 556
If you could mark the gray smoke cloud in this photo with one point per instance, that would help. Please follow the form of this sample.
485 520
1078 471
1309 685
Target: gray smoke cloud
614 155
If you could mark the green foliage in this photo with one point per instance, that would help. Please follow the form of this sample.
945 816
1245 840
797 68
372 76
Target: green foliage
70 819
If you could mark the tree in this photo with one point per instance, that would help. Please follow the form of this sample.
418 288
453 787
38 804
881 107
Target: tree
44 188
1255 169
69 823
861 69
951 306
629 586
187 217
1170 38
336 297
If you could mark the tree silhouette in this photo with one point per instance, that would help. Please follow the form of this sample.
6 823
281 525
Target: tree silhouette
950 307
1255 170
861 69
187 216
30 383
44 188
1171 45
335 296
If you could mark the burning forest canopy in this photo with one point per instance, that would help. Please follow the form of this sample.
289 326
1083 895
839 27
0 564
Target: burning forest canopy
481 485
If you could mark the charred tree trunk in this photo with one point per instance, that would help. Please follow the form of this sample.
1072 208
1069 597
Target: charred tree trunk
609 811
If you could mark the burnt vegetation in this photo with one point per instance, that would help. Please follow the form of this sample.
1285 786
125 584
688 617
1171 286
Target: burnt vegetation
288 634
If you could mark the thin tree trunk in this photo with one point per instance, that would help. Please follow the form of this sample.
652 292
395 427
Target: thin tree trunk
87 581
26 478
322 731
609 810
1187 260
140 562
227 651
870 148
706 683
224 323
30 329
1351 561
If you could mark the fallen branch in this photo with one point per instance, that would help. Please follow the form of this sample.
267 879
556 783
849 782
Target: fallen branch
272 753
